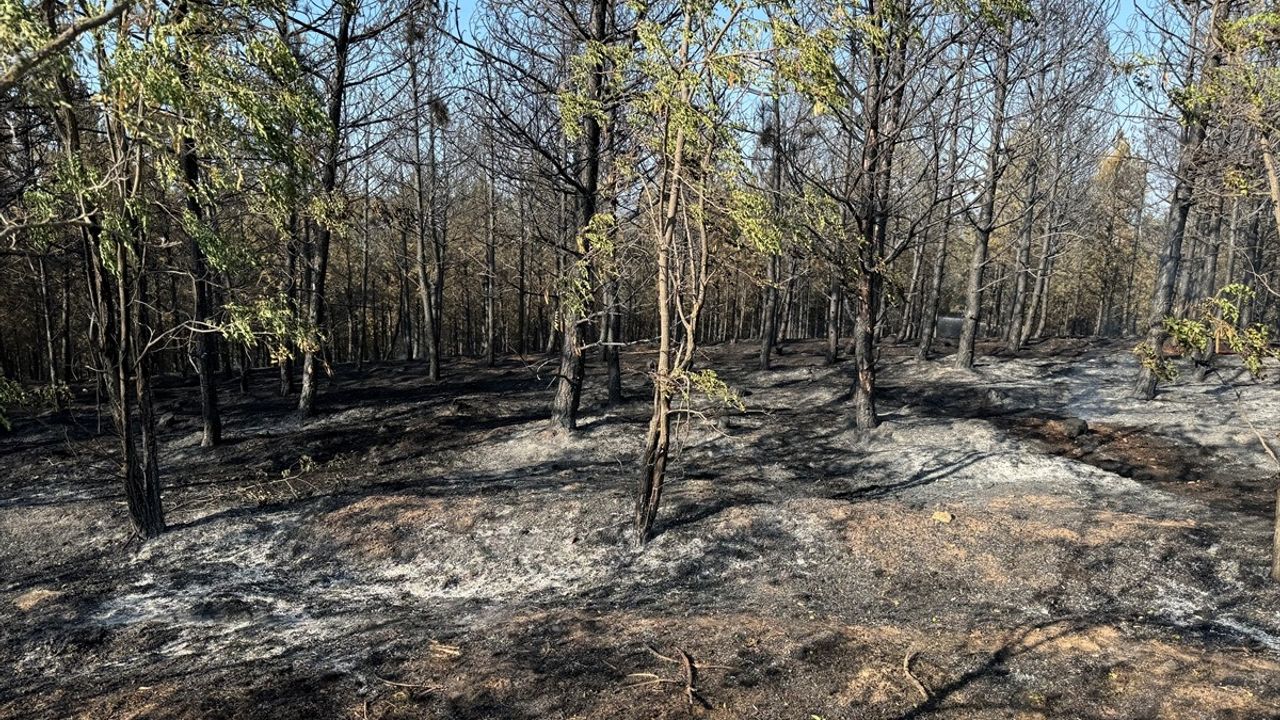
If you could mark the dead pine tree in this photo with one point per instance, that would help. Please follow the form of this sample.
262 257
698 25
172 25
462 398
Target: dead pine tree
985 223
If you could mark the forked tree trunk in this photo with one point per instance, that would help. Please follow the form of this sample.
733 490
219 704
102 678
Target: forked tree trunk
657 445
986 220
653 460
1163 296
111 299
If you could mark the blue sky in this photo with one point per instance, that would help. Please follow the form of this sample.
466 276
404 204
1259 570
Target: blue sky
1124 11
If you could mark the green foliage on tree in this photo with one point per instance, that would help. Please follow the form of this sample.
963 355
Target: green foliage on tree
15 395
1214 324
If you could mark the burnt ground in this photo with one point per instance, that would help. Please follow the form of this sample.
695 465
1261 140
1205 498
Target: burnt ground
430 551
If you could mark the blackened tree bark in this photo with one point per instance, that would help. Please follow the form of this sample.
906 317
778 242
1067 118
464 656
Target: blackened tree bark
568 396
1190 139
319 254
205 339
929 313
123 372
985 224
1016 336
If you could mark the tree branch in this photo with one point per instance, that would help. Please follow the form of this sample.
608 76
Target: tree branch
28 62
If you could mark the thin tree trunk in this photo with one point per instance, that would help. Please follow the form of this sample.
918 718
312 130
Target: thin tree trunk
319 260
653 459
1169 262
986 220
1022 268
490 264
206 341
564 407
835 298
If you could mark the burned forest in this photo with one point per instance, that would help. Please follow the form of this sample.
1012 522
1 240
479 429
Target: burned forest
604 360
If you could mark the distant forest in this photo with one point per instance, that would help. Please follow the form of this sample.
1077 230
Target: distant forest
196 188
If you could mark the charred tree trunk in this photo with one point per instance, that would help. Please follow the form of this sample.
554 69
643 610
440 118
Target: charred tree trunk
986 219
491 262
929 313
205 340
1016 326
657 445
319 254
564 407
110 275
835 301
1162 298
1170 260
864 386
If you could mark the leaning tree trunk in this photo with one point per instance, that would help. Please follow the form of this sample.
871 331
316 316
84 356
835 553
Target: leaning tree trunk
1183 199
1170 259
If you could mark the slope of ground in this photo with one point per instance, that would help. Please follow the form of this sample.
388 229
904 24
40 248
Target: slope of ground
431 551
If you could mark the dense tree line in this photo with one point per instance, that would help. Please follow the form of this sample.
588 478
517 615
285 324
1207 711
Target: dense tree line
195 188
